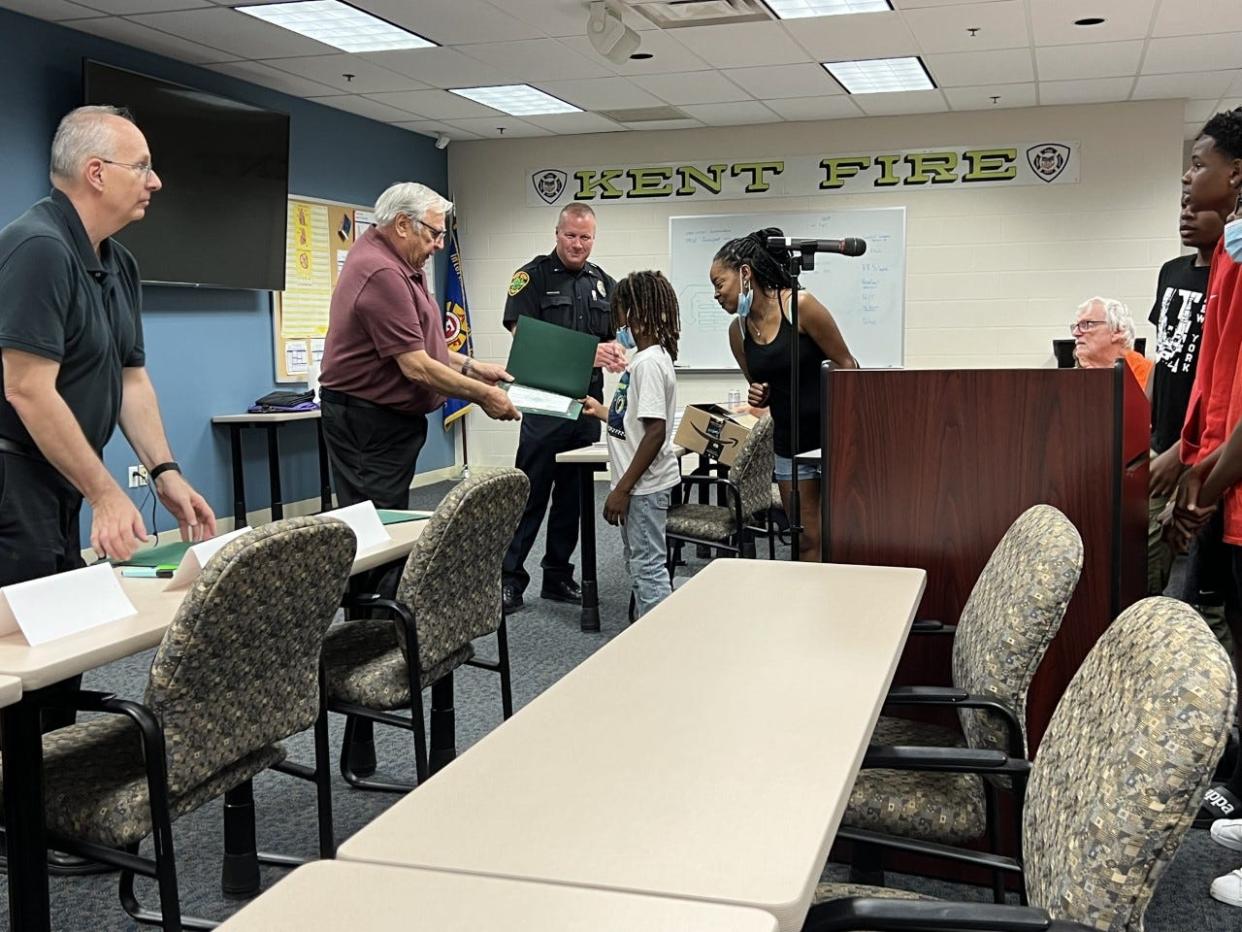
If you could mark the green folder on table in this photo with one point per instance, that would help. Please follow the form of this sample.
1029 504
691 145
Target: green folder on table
392 516
165 555
551 368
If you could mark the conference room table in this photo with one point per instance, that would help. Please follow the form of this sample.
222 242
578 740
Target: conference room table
37 668
272 424
707 752
326 896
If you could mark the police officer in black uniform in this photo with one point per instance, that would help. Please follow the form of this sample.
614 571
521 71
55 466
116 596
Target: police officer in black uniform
562 288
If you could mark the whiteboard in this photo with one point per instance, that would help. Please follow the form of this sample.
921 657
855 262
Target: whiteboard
866 295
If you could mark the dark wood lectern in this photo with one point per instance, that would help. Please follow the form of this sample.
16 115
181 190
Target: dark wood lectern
929 468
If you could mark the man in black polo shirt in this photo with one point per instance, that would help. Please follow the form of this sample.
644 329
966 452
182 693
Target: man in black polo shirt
562 288
72 360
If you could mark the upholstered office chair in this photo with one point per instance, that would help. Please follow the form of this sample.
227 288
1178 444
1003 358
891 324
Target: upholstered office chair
448 596
1012 615
237 672
746 494
1117 781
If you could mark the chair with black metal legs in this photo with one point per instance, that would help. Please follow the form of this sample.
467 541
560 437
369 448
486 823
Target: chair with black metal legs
236 673
448 596
1120 773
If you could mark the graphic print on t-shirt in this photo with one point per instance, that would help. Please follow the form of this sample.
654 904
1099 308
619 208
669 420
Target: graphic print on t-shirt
1180 329
616 414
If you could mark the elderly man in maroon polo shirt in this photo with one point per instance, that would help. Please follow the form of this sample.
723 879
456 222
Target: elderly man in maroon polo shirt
385 362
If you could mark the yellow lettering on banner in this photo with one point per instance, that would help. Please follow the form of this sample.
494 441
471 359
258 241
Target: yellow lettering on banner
651 182
758 174
991 164
837 170
589 181
711 182
888 170
936 167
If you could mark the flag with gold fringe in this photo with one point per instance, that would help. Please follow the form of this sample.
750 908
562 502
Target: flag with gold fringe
456 323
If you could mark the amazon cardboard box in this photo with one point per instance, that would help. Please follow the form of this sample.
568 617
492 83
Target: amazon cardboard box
714 431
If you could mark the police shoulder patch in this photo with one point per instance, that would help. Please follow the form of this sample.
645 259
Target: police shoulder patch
520 281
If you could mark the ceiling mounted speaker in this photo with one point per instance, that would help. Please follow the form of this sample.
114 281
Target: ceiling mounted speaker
609 35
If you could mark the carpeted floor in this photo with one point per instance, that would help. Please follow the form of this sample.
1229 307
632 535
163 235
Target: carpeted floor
545 643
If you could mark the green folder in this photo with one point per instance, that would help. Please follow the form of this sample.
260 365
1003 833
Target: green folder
163 555
390 516
551 368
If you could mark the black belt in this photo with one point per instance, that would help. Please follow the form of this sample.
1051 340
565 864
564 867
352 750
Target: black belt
21 449
348 401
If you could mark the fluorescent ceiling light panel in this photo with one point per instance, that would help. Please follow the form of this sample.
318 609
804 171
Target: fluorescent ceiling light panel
337 24
516 99
800 9
881 75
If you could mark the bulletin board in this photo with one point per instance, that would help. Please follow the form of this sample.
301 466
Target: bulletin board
317 240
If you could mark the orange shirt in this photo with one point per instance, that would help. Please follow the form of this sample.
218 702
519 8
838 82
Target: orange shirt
1141 366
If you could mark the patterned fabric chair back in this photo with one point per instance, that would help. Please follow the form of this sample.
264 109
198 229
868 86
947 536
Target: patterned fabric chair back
238 669
1012 615
752 470
1124 765
451 580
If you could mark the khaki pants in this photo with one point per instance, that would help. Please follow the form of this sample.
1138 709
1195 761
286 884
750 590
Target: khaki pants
1159 553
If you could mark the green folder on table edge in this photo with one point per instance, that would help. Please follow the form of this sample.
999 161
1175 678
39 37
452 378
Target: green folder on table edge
552 359
170 555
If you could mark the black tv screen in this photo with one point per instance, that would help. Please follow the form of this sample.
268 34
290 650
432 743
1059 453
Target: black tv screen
219 219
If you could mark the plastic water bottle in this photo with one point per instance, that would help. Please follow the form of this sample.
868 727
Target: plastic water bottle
735 399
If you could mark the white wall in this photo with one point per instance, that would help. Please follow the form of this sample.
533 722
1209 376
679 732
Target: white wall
992 275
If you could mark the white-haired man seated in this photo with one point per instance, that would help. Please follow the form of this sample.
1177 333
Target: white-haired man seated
1103 333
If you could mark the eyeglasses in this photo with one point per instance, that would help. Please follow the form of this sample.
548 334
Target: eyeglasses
143 168
436 233
1082 326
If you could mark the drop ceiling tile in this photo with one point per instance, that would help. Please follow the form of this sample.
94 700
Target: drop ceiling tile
1190 86
862 35
695 87
980 98
1052 21
742 45
1097 91
52 10
433 128
901 102
797 109
776 81
367 77
1219 52
434 105
566 124
536 60
601 93
947 29
363 106
667 54
560 18
257 72
130 7
739 113
242 35
1074 62
921 4
489 128
970 69
441 67
139 36
454 22
664 124
1207 16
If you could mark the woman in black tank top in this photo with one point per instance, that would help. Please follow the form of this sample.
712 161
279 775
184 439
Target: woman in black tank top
752 282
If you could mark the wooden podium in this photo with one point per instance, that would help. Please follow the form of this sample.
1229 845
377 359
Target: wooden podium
929 469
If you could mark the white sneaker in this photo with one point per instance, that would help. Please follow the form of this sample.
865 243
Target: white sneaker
1228 833
1228 889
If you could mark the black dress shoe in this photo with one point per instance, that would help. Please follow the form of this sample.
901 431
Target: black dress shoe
562 590
511 598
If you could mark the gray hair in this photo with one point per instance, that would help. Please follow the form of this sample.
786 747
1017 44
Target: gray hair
577 210
83 133
409 198
1117 315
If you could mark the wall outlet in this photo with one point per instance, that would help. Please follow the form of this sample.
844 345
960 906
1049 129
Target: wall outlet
137 476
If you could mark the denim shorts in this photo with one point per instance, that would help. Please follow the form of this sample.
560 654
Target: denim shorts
784 470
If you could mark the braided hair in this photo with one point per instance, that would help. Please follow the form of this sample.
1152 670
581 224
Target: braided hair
650 306
769 265
1226 131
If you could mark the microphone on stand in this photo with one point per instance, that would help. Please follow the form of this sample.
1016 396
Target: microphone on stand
850 246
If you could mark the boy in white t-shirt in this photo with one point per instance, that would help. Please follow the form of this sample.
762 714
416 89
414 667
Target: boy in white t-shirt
639 431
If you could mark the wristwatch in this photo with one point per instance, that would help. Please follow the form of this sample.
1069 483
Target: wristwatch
156 471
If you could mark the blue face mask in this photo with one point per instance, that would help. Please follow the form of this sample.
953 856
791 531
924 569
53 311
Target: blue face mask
1233 240
745 299
626 338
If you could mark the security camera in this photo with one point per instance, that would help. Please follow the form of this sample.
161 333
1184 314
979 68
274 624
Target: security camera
442 141
609 35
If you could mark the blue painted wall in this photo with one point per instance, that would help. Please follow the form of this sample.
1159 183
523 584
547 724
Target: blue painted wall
209 351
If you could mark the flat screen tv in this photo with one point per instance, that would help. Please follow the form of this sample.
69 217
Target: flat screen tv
219 220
